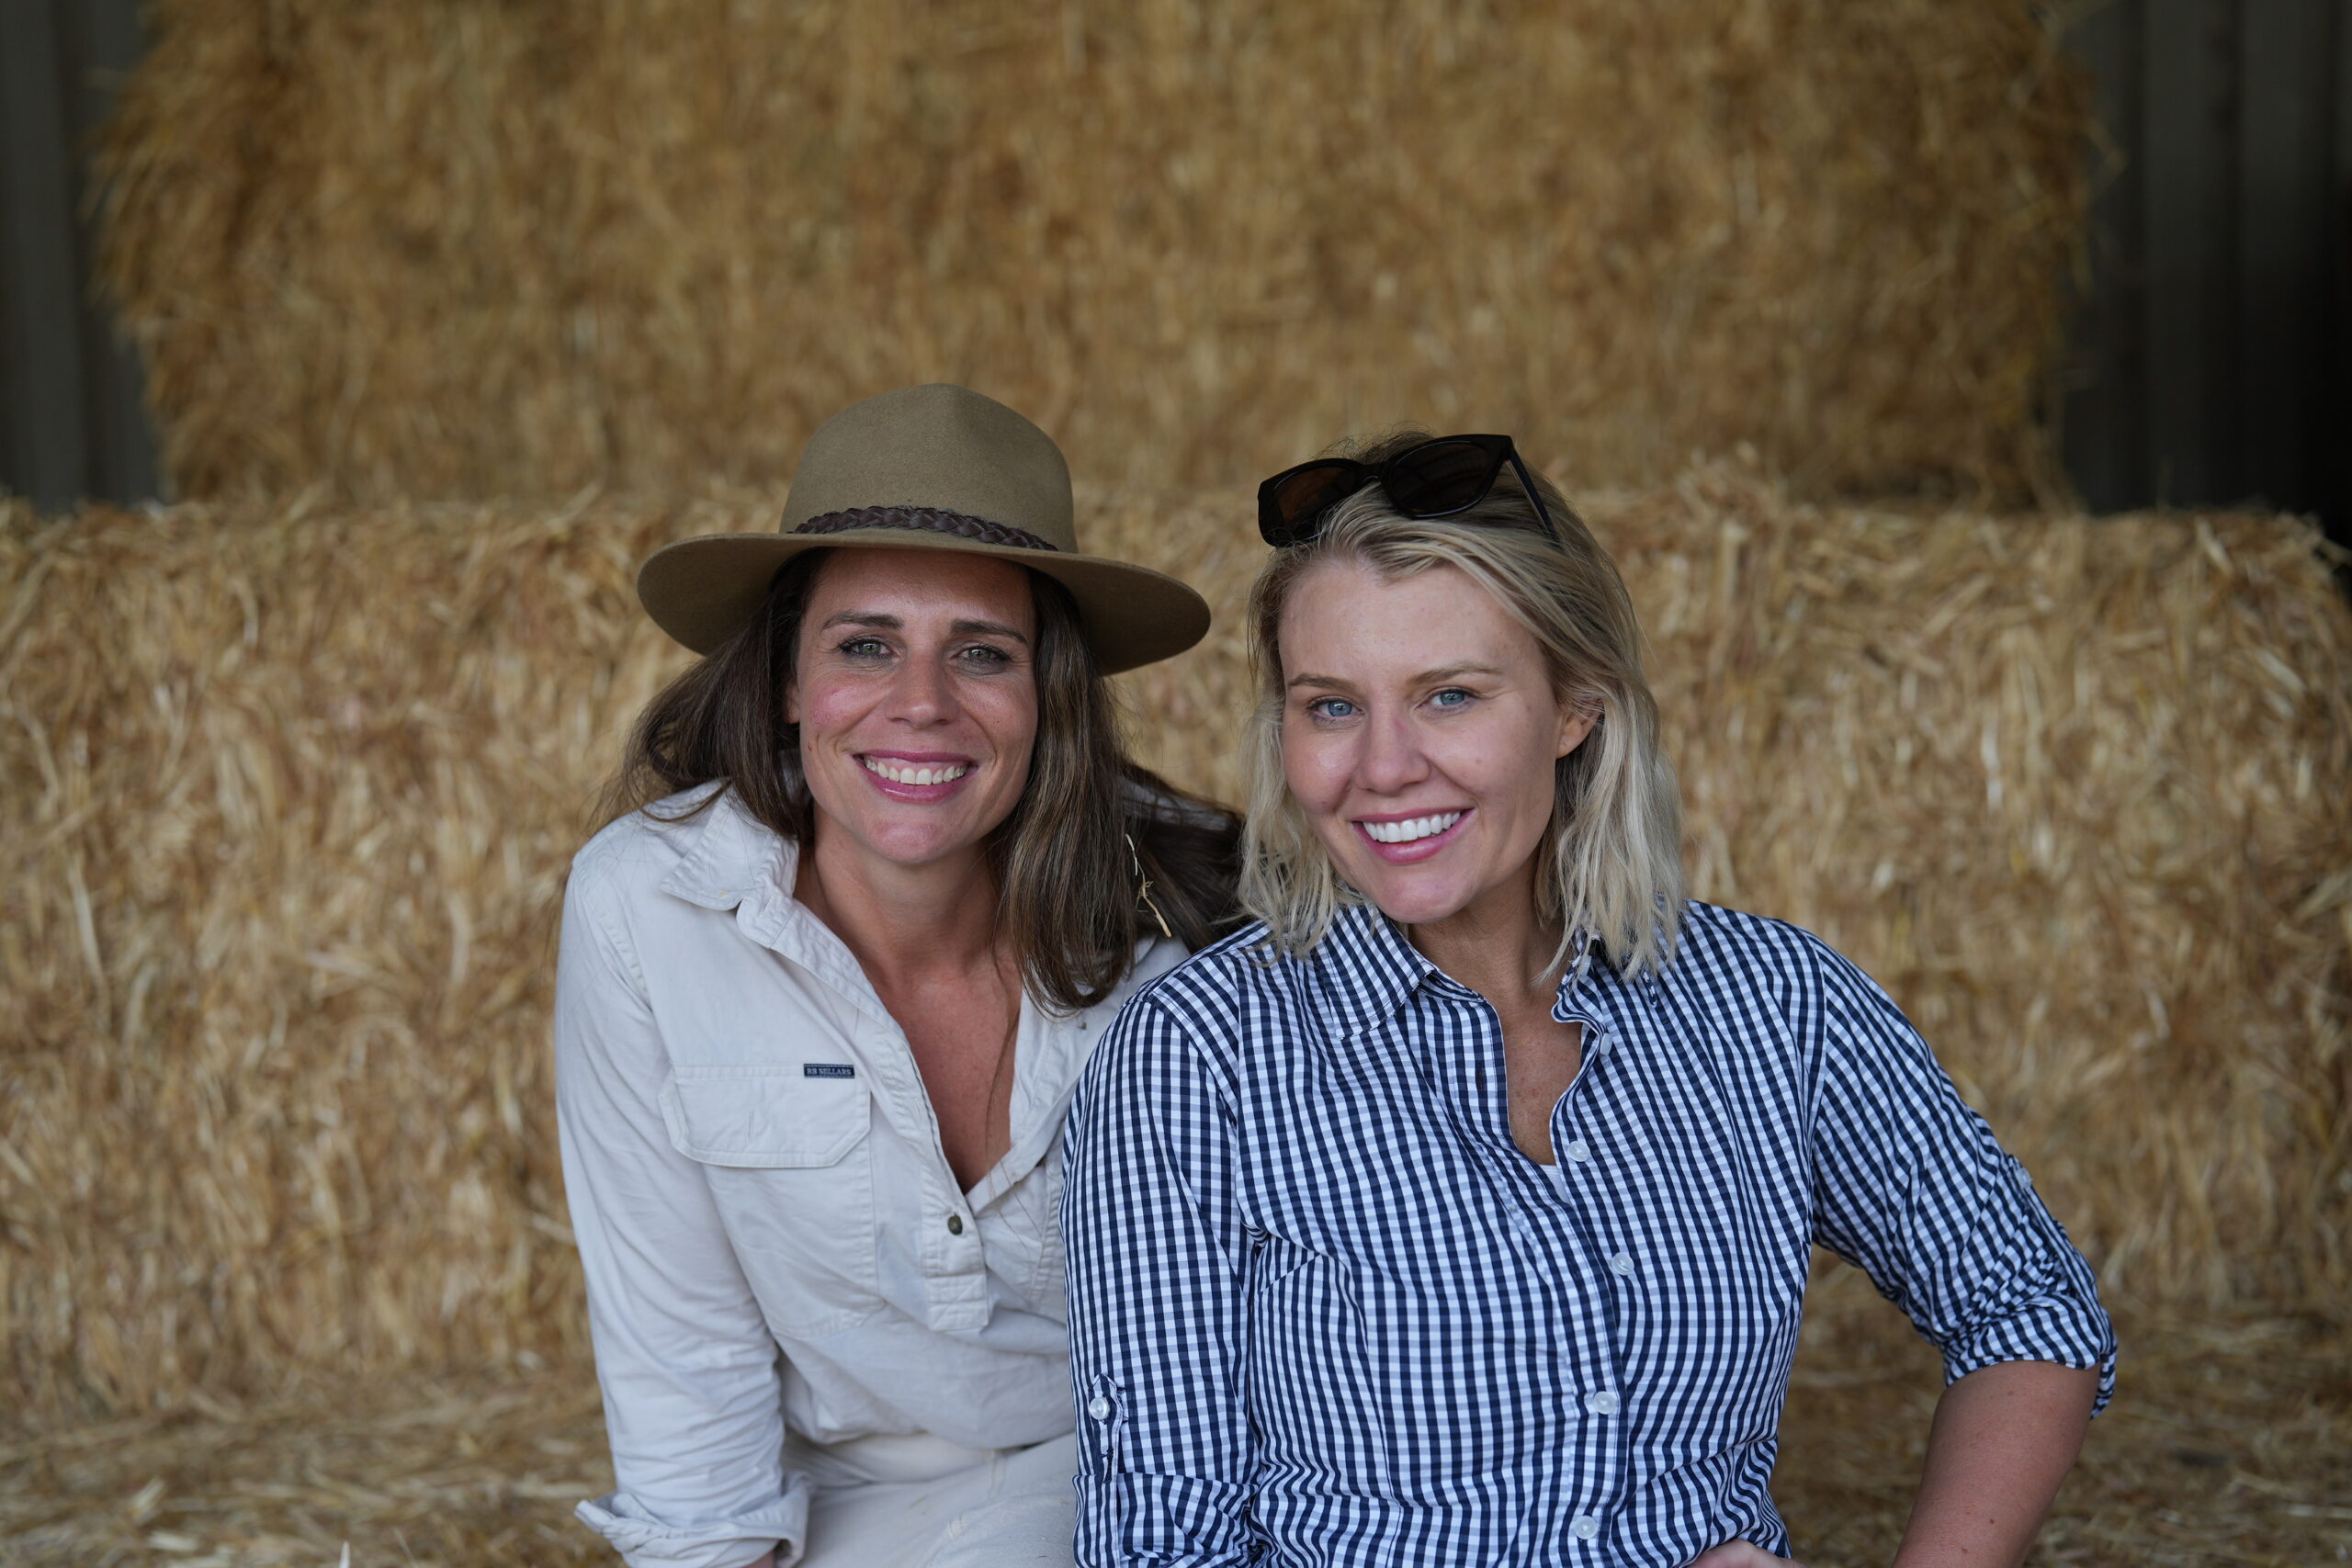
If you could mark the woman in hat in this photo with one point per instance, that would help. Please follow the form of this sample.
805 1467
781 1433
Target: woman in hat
1459 1210
822 999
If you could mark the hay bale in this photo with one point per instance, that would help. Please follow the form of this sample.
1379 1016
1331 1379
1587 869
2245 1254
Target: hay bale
301 791
414 249
289 795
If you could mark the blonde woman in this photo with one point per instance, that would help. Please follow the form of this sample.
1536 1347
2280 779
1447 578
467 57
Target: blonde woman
1459 1212
825 989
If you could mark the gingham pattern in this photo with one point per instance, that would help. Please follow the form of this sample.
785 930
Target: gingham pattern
1324 1311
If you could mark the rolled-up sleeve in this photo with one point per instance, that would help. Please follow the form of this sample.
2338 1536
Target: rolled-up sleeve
691 1376
1911 1187
1157 1254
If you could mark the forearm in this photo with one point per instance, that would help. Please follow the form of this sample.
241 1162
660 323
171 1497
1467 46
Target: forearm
2003 1437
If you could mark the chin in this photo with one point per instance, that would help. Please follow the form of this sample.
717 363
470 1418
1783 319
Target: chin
920 846
889 835
1415 912
1406 900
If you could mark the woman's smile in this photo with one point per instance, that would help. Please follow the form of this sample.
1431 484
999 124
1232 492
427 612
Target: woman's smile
1403 840
922 777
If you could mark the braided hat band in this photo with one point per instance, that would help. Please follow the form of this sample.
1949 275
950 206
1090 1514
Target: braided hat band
931 520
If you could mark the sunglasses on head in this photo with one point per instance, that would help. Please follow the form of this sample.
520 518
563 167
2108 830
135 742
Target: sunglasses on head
1444 475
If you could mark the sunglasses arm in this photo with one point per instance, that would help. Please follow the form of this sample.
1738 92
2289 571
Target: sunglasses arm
1527 482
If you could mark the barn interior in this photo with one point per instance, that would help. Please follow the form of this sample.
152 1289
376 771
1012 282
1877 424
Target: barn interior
444 316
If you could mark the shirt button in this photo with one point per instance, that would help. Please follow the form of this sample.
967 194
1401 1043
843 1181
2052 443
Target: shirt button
1603 1403
1099 1407
1623 1264
1579 1151
956 1227
1584 1526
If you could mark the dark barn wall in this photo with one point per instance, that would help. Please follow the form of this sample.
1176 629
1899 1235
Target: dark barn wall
2210 356
71 420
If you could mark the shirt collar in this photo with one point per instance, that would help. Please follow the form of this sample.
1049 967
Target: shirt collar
734 860
1369 968
730 855
1365 970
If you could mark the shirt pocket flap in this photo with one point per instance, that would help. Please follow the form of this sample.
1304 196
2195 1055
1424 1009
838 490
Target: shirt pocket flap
762 1117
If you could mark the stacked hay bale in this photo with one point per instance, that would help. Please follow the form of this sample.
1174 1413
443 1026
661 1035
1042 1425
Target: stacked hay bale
289 794
420 250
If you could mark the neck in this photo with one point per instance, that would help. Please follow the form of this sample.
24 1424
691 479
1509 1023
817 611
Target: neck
901 919
1495 944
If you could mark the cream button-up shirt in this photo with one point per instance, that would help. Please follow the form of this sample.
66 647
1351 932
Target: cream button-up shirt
773 1241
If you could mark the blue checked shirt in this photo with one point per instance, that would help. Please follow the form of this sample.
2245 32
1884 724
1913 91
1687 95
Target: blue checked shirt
1324 1311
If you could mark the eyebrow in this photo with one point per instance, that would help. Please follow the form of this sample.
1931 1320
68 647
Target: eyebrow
987 628
1426 677
881 622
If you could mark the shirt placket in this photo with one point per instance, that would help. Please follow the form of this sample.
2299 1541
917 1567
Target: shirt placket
1606 1272
947 1231
1583 1276
921 1191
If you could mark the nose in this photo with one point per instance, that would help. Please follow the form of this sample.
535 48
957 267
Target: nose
1392 758
923 695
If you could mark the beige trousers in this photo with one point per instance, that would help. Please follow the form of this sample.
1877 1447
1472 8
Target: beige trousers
922 1501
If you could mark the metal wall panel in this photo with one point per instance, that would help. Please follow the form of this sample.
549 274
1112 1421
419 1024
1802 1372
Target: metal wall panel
2210 346
71 423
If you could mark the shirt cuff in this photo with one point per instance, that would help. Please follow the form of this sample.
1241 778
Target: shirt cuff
644 1541
2062 1332
1125 1519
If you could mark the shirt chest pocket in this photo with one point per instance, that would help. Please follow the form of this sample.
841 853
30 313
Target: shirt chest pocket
789 1166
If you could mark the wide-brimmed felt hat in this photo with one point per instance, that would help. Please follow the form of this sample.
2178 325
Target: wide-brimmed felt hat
933 468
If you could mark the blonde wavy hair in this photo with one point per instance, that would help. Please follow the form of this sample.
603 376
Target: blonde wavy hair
1614 871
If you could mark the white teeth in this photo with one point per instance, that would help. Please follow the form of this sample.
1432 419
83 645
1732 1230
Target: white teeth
1405 833
908 773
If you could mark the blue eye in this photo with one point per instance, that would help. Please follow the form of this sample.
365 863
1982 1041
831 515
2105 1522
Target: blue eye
1453 698
1331 708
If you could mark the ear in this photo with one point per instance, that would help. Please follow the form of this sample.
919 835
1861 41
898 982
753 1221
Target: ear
1575 723
792 701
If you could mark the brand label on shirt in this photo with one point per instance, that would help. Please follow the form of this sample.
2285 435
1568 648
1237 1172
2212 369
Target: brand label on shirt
827 1070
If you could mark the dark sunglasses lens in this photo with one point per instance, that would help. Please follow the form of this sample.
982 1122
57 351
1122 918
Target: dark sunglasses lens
1299 497
1443 477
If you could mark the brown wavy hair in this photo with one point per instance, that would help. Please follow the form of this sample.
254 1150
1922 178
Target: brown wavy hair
1068 886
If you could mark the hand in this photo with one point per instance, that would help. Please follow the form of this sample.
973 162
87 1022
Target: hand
1742 1554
